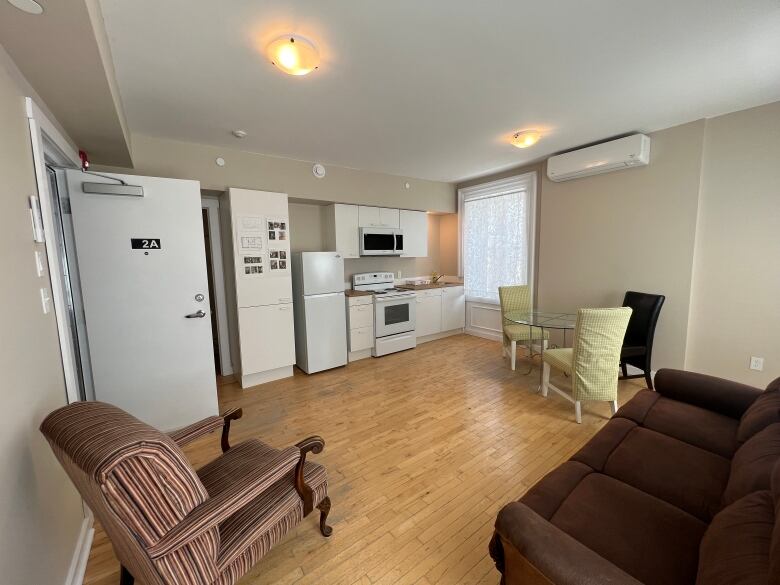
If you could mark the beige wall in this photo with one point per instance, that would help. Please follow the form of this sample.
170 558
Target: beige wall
184 160
448 244
40 511
736 281
626 230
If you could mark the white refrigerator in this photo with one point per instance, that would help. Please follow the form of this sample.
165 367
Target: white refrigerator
320 311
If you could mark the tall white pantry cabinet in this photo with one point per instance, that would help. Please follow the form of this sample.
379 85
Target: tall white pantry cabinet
260 243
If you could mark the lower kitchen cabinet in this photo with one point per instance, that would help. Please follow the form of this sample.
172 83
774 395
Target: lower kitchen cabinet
360 325
453 308
267 337
428 312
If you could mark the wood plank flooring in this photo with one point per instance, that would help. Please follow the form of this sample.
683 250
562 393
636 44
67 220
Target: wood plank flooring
422 450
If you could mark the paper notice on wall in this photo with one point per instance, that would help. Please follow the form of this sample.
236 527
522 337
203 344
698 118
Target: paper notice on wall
278 260
249 235
253 266
277 229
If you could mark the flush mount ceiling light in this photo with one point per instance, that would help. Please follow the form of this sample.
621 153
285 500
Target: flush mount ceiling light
28 6
294 55
526 138
239 133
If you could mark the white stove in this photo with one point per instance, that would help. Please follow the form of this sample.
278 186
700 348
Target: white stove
394 312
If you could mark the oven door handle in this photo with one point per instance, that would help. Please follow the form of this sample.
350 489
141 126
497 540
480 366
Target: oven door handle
390 300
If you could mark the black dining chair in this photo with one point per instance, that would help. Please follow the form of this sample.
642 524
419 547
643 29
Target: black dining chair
638 343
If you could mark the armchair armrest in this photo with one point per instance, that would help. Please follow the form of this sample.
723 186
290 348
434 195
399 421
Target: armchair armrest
313 444
722 396
208 425
529 549
216 509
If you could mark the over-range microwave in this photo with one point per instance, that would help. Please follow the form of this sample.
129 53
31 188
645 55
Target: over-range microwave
381 242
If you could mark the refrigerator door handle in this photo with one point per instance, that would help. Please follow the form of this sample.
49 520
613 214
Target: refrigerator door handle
332 294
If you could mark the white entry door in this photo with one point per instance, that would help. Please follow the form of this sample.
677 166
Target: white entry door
142 269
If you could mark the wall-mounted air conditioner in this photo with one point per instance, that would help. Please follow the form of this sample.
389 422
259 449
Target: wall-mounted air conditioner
624 153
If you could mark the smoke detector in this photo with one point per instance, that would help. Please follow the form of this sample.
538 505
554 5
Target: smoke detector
28 6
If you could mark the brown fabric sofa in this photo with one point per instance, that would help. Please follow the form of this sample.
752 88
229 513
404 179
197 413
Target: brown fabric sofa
681 487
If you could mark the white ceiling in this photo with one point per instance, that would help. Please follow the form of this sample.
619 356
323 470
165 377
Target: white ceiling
434 88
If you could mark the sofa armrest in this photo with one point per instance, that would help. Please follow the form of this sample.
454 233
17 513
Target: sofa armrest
722 396
524 538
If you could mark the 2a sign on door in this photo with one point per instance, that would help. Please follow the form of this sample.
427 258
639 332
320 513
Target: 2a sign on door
145 243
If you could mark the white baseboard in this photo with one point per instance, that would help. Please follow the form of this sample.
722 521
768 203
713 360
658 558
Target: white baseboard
484 333
362 354
435 336
78 565
249 380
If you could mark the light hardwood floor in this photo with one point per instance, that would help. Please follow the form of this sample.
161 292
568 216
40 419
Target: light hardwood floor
422 450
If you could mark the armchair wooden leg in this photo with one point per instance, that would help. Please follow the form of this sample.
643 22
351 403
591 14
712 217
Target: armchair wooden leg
125 578
324 508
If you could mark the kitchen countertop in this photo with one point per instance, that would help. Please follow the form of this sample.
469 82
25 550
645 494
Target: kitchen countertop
356 293
428 286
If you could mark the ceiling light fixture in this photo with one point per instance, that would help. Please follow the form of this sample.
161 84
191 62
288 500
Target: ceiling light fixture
526 138
28 6
239 133
294 55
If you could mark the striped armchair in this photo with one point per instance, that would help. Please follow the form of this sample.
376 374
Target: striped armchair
170 524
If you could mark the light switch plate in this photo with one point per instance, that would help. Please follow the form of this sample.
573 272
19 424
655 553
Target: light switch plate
45 301
756 363
39 269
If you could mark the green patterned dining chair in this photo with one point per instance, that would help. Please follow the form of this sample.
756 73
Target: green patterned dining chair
517 298
594 361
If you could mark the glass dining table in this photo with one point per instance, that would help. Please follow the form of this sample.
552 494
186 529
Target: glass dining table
544 320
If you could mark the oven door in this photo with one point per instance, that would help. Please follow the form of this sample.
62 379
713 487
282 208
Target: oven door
377 242
393 315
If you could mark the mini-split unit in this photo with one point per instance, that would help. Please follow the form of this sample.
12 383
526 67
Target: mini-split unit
615 155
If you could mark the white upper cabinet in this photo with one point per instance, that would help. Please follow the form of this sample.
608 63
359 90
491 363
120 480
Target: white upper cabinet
341 229
415 227
388 217
377 217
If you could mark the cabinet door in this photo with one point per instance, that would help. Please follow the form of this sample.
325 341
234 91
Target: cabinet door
415 227
388 217
453 308
362 338
267 337
346 230
368 216
361 316
428 315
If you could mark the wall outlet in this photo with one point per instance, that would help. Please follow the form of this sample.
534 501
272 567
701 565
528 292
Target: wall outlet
756 363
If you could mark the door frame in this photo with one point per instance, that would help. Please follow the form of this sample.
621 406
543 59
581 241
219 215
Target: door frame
218 273
49 146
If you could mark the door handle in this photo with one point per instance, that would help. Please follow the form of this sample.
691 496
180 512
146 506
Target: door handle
199 314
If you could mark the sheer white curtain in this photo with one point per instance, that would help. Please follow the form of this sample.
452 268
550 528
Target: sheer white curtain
497 222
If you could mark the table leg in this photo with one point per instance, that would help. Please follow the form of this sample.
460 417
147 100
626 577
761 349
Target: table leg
541 359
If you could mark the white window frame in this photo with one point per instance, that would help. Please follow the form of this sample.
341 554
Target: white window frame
525 181
48 143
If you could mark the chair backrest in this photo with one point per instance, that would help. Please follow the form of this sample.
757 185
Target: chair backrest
641 326
598 338
516 297
138 484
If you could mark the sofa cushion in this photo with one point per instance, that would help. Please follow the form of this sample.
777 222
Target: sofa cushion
678 473
692 424
762 413
736 546
547 495
624 524
753 463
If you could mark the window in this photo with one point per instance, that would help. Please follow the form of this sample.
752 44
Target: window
497 235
